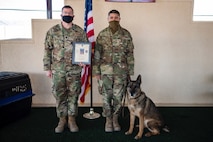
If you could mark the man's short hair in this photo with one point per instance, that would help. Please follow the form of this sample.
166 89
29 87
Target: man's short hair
66 6
114 11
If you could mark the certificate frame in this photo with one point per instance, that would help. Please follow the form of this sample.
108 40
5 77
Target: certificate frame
81 53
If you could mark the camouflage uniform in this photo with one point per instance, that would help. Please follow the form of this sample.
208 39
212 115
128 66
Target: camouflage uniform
66 79
113 60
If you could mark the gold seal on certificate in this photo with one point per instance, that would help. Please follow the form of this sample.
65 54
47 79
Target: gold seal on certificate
81 53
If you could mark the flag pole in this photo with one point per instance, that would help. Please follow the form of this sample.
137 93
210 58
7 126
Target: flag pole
91 114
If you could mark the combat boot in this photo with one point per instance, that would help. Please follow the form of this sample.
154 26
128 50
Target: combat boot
61 124
72 124
116 126
108 124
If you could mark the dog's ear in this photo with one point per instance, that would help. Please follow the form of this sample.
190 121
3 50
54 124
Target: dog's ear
139 79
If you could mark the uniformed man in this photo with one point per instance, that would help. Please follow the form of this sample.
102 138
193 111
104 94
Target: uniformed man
66 77
113 62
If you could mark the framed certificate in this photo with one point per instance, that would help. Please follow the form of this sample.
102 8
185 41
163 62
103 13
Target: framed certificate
81 53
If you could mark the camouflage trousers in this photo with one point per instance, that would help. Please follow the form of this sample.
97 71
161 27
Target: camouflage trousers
66 88
112 88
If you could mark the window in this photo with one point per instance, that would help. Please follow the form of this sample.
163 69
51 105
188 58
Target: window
203 10
16 15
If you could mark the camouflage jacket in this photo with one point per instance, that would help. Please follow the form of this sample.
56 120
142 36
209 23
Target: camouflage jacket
113 53
58 48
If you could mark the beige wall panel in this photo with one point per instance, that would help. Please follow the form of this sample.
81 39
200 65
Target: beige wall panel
172 53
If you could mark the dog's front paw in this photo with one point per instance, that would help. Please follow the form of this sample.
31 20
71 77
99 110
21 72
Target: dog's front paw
137 137
148 134
128 133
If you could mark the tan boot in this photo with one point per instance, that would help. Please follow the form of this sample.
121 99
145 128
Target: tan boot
115 123
61 124
108 124
72 124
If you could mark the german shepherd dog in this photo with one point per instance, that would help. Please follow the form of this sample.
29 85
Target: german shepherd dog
143 107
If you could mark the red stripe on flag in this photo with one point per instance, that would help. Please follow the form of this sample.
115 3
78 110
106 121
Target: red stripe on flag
86 84
90 21
90 33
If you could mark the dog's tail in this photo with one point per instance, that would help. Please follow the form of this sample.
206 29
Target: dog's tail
166 129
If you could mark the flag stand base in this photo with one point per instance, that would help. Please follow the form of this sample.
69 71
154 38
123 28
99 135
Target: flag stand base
91 114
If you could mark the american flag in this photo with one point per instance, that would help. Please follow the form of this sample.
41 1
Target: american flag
89 28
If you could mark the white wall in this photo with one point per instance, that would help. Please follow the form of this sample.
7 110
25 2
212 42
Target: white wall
172 53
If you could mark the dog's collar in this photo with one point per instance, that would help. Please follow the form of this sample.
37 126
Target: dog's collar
135 97
138 96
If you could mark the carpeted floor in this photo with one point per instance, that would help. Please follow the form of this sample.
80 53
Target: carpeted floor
187 124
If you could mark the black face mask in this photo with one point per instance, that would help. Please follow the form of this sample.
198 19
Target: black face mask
67 19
